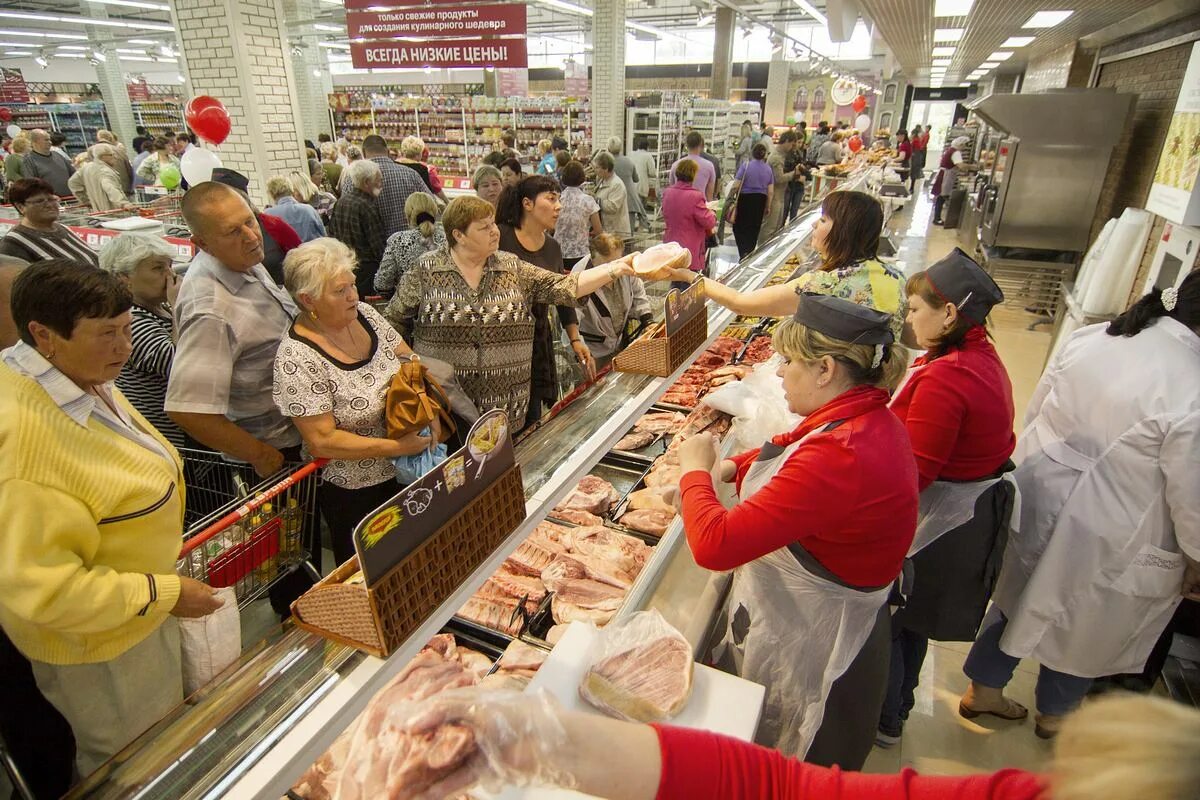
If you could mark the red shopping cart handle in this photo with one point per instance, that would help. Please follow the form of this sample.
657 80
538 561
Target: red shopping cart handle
251 505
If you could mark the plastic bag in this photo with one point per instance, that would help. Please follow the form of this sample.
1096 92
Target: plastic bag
409 468
641 669
757 405
210 643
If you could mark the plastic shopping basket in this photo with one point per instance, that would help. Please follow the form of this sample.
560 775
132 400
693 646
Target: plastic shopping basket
247 537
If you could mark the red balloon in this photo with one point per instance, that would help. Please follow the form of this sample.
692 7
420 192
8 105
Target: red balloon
199 103
5 114
855 144
859 104
211 124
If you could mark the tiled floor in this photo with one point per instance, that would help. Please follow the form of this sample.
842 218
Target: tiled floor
936 739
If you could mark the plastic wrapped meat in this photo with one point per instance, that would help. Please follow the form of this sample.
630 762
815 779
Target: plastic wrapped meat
641 670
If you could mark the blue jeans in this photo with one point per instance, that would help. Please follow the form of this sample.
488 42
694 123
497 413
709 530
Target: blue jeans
908 654
1057 693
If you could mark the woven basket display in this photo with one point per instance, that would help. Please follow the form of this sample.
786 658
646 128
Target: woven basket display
663 355
380 619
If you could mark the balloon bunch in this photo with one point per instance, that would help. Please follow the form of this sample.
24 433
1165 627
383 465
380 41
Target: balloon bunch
208 117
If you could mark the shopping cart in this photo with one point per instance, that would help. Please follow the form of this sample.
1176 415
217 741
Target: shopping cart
242 535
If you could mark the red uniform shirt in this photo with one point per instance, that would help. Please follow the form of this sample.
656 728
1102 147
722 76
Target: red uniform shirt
848 496
959 412
701 764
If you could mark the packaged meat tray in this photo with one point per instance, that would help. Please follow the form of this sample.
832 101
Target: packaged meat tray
641 670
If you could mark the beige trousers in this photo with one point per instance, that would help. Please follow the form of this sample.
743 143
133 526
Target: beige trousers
111 703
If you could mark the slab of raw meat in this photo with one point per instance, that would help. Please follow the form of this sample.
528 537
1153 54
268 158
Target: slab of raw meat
561 571
550 536
607 547
660 422
726 346
578 517
710 361
647 683
474 662
666 475
648 521
586 601
493 592
606 564
531 557
652 499
520 656
555 633
492 614
517 585
680 397
758 351
591 494
635 440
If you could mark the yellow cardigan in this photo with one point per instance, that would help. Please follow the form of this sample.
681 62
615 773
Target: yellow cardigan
92 525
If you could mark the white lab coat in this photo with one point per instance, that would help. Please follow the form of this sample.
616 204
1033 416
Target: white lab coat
1109 478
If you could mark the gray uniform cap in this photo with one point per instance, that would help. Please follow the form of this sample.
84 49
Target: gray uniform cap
960 281
844 320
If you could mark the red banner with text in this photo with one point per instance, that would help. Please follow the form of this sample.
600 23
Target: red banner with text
440 53
499 20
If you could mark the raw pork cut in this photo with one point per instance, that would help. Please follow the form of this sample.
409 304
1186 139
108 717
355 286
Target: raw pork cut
492 614
635 440
649 682
660 422
532 556
591 494
653 499
576 516
666 475
586 601
629 553
688 398
565 569
519 655
648 521
517 585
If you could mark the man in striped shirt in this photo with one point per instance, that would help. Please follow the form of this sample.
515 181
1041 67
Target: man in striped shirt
39 236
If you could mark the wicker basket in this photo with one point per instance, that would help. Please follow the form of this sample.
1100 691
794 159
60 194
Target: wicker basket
663 355
380 619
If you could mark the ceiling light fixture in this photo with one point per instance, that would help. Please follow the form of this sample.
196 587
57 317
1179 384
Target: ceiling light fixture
133 4
153 26
132 52
809 9
1000 55
334 45
71 47
952 8
989 65
1047 19
18 53
41 61
39 34
943 52
948 34
941 62
137 58
151 42
70 55
330 28
1017 41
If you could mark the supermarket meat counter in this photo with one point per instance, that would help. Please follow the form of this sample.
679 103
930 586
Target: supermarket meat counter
265 727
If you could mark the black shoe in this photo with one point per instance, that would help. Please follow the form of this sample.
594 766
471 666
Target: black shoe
938 222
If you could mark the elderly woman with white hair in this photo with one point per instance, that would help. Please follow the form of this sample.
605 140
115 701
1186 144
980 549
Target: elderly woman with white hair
332 373
143 262
100 182
412 150
627 171
303 218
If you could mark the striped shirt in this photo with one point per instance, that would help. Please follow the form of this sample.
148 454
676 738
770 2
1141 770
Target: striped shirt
143 381
34 245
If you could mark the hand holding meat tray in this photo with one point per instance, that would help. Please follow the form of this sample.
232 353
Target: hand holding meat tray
658 263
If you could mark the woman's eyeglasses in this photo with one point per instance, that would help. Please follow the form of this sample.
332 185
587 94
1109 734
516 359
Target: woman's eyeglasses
42 201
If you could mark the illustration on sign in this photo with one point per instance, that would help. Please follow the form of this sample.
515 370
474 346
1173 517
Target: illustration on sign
404 523
682 306
1175 193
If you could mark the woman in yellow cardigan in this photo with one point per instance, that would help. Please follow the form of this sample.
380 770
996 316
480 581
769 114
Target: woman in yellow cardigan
92 502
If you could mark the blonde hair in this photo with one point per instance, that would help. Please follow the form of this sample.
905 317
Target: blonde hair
106 137
20 144
98 151
417 204
302 186
412 147
279 186
462 212
1128 747
309 268
607 247
800 343
543 147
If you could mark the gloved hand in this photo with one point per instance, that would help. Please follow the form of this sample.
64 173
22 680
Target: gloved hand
518 740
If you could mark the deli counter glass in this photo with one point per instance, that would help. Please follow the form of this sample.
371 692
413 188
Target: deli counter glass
256 729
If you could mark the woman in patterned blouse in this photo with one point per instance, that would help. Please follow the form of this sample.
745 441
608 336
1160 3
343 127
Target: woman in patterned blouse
847 239
405 247
471 305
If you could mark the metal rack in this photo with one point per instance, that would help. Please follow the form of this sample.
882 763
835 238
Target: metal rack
661 127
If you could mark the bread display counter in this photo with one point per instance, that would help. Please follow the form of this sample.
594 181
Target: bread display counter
260 726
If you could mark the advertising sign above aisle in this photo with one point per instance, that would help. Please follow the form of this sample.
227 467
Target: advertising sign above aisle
500 20
13 88
440 53
512 82
1176 190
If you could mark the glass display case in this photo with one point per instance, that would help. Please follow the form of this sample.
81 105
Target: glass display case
261 724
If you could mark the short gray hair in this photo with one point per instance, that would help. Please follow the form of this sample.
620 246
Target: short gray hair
98 151
122 254
483 173
614 145
309 268
362 172
279 186
604 160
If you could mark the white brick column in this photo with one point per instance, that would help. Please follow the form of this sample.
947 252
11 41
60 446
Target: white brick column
776 109
312 90
236 51
110 76
608 72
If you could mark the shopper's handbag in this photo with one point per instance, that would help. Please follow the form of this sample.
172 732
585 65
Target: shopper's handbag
209 644
415 400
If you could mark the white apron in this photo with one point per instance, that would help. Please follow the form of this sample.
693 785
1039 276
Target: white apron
792 631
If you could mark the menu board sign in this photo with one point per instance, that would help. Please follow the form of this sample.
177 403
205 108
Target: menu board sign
13 88
1175 194
682 306
401 525
440 53
498 20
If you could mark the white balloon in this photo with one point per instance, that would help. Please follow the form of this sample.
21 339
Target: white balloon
13 130
197 165
863 123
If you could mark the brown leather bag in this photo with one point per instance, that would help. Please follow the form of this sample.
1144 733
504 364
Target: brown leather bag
414 400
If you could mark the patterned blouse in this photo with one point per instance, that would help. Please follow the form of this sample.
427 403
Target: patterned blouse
868 283
310 382
575 221
401 254
487 334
